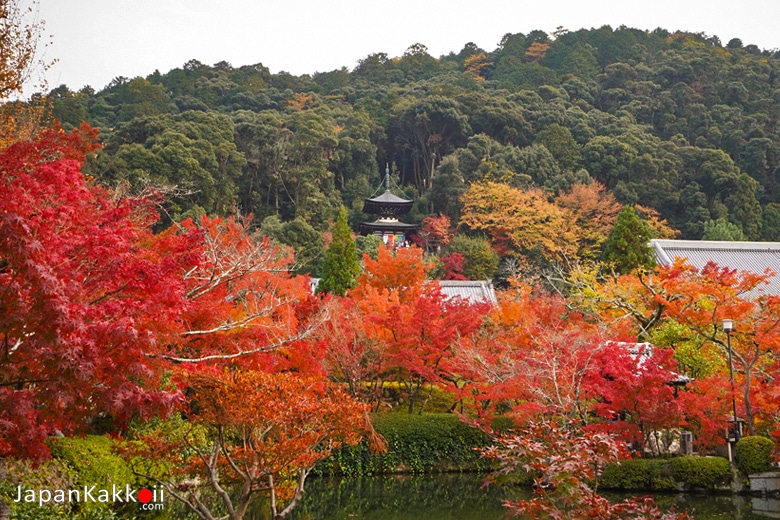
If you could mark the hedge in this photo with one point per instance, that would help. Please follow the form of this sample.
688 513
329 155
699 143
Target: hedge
416 444
638 474
681 473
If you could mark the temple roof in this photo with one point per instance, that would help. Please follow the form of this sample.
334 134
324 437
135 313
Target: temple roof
387 205
390 225
755 257
474 291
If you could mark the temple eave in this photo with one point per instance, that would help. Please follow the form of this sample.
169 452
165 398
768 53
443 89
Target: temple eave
387 226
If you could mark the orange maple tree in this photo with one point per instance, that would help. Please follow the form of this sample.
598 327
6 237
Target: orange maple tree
702 299
260 432
595 211
407 327
533 354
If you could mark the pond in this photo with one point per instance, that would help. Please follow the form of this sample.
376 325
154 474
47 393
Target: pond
461 497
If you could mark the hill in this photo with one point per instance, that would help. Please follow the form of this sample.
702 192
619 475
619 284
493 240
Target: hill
676 122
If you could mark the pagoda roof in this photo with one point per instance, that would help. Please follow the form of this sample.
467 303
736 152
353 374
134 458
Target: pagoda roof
386 225
387 204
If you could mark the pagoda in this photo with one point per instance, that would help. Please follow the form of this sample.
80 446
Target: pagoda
388 207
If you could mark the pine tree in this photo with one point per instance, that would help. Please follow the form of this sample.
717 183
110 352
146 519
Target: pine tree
341 262
627 246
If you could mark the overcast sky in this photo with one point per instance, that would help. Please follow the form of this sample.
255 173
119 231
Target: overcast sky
98 40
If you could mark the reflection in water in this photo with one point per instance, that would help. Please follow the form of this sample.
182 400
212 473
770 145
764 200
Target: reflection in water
462 497
402 497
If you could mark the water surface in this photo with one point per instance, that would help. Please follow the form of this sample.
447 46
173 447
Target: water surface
463 497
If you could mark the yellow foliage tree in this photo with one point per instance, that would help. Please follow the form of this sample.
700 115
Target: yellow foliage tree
536 52
20 36
521 220
20 61
476 65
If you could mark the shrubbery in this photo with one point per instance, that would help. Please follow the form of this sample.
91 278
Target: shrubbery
93 460
77 462
667 474
700 472
753 454
416 444
638 474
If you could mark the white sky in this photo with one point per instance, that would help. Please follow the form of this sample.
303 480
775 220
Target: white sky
98 40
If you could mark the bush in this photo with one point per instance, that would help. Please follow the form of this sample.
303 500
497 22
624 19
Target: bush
93 460
95 463
700 472
481 259
50 474
666 474
753 454
638 475
416 444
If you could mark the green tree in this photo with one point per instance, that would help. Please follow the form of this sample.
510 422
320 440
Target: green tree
341 265
770 222
368 245
190 156
425 131
722 229
744 208
562 146
304 239
627 246
481 259
608 160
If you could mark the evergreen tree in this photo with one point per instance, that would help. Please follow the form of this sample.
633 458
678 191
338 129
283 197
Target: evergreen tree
481 260
627 246
722 229
341 265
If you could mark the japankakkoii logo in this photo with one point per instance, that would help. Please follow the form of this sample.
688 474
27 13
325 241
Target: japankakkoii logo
150 498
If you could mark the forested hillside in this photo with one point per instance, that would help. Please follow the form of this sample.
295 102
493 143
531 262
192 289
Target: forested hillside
677 123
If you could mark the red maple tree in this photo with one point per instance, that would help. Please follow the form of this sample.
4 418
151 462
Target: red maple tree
94 305
80 280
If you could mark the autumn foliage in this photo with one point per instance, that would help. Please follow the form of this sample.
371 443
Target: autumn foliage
78 267
98 309
260 432
565 229
565 463
95 305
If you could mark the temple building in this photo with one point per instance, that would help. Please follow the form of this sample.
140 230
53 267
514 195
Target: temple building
755 257
388 207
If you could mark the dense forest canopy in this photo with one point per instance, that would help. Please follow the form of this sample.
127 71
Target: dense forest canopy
678 123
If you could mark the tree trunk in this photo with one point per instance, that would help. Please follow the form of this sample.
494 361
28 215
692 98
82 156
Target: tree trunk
748 408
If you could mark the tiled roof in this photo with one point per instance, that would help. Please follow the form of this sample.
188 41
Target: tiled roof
755 257
474 291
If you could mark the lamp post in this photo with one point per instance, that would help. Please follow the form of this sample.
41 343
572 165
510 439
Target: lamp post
728 327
